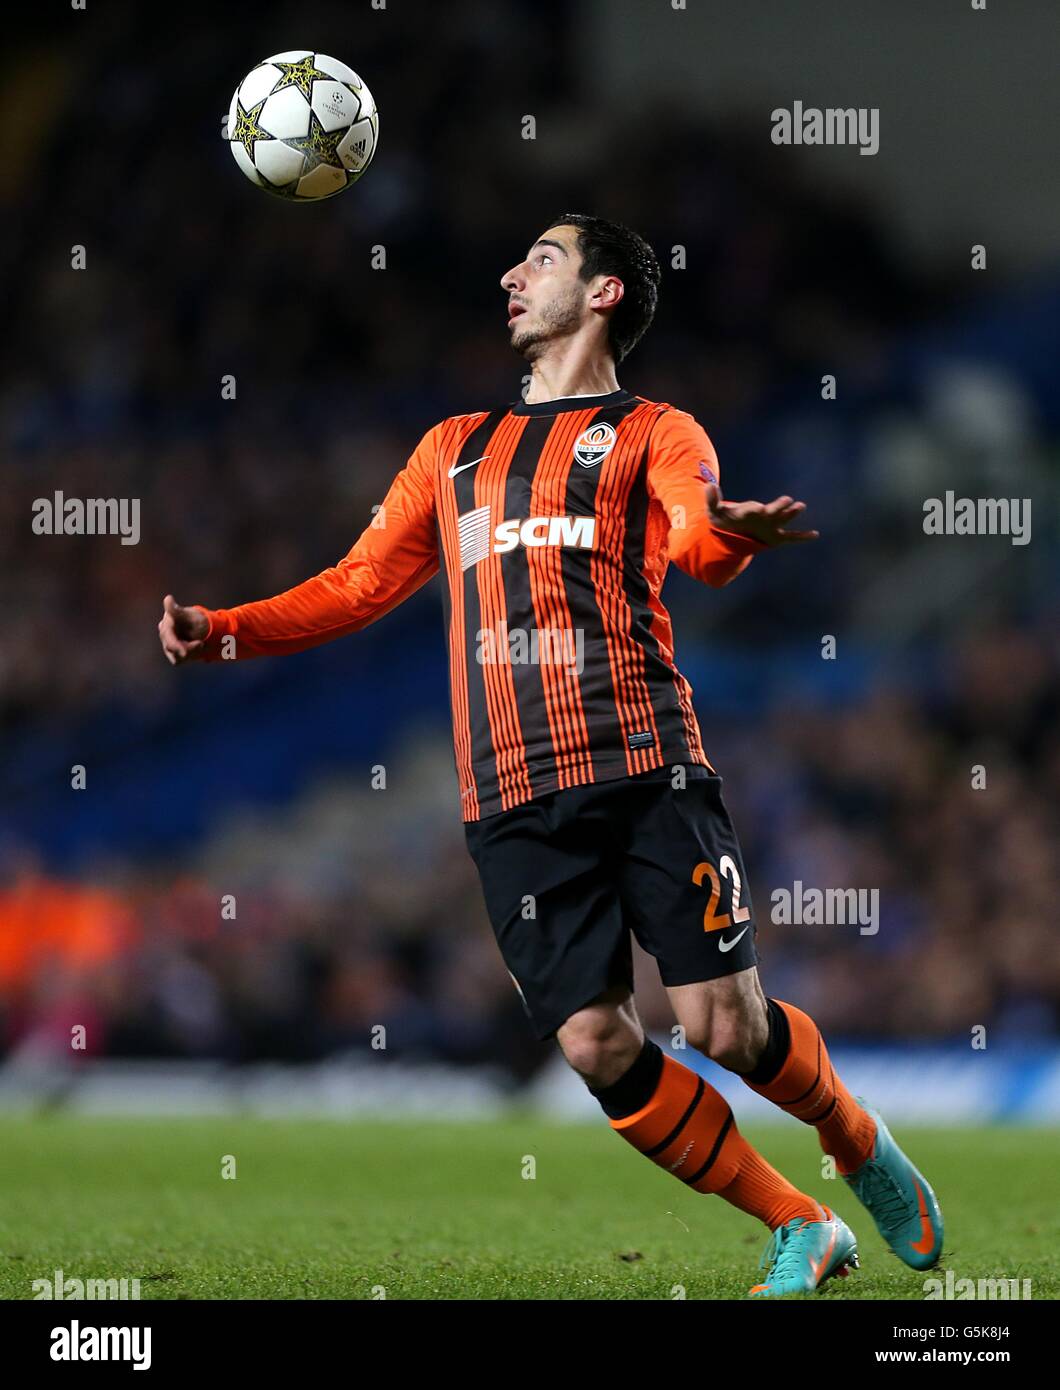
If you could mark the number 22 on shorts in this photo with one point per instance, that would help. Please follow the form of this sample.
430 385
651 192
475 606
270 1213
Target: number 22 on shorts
713 920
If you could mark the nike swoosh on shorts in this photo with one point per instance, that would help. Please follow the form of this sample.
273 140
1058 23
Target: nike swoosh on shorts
728 945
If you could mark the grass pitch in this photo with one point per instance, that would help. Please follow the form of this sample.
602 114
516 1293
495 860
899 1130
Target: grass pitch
322 1209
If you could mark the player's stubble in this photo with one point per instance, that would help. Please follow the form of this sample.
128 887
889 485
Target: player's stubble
560 316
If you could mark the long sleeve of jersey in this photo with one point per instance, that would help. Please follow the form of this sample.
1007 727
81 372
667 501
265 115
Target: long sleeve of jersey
395 555
681 464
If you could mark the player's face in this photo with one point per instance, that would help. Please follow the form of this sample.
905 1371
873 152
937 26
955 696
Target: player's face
546 297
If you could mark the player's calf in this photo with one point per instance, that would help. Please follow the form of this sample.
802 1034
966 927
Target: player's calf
795 1072
725 1019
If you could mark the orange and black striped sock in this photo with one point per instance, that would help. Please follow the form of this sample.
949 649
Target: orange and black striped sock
672 1116
796 1074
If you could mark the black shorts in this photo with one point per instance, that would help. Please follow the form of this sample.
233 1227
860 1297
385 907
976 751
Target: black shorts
568 876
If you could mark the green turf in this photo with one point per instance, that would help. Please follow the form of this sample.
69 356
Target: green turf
336 1210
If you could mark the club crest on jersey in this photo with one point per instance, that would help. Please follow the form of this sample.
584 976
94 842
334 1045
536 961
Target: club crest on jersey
594 444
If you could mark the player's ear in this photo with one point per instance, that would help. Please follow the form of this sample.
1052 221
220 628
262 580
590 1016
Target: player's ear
609 293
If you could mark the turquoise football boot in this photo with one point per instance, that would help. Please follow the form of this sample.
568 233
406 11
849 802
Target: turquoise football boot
802 1254
899 1199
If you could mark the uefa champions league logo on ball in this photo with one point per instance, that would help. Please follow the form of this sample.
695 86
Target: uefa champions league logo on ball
302 126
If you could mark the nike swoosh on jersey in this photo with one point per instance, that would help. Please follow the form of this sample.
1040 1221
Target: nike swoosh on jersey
728 945
459 467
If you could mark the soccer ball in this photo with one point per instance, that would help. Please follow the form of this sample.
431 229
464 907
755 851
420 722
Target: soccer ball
302 125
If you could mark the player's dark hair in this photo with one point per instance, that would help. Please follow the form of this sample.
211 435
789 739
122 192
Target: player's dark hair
608 248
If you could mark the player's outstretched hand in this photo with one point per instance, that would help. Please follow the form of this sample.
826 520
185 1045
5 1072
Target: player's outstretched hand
762 521
182 631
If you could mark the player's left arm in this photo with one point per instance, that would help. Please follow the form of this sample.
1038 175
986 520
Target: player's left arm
711 539
395 555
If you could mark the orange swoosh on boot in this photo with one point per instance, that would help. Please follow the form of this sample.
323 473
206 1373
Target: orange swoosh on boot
823 1261
927 1240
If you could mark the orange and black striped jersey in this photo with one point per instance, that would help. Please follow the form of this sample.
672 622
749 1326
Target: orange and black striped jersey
553 524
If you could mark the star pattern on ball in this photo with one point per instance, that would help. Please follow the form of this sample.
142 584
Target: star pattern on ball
246 129
301 75
320 146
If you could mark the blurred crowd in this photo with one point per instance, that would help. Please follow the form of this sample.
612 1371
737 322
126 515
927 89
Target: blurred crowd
112 387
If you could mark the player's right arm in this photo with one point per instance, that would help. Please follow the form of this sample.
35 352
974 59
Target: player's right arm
395 555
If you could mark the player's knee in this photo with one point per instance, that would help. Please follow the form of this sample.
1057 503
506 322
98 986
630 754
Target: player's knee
600 1047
